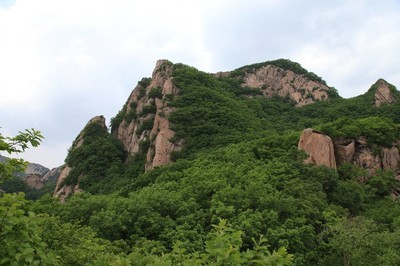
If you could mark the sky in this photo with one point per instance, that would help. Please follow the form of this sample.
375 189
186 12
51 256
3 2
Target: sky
64 62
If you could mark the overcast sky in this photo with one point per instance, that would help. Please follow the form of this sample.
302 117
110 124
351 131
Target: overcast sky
64 62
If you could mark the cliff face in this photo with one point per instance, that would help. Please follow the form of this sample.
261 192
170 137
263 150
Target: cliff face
36 175
145 126
319 148
383 93
322 150
273 80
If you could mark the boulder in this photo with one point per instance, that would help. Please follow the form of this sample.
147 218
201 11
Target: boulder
319 148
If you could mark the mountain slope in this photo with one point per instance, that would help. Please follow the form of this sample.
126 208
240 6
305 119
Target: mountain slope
181 111
180 99
202 168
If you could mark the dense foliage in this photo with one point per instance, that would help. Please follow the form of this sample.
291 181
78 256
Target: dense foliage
92 161
237 194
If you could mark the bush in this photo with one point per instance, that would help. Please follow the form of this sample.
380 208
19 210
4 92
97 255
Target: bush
144 82
116 121
155 93
148 109
145 125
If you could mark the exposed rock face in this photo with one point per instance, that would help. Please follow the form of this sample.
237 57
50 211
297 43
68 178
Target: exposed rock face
274 80
36 169
344 150
390 158
319 148
34 181
62 191
365 158
149 131
383 95
34 174
322 151
38 179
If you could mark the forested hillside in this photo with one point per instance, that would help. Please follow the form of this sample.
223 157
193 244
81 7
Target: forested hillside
204 169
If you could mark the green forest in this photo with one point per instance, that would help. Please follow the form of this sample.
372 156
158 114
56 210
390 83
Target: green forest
238 193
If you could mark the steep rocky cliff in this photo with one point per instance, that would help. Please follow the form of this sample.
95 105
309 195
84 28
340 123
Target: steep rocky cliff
144 125
323 150
274 80
384 93
285 79
319 148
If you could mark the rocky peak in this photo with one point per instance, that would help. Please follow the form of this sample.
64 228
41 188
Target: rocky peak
62 191
383 93
144 126
299 85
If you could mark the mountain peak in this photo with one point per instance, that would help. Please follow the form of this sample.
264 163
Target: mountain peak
286 79
65 183
384 92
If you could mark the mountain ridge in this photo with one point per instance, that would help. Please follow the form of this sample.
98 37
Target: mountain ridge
181 110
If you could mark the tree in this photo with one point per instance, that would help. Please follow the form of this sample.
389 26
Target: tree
17 144
20 234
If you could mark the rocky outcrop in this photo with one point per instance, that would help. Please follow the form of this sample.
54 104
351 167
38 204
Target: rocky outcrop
319 148
145 127
344 150
272 80
390 158
63 190
38 180
383 94
367 160
36 175
36 169
322 150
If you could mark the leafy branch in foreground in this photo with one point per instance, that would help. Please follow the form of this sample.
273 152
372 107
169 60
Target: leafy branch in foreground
19 143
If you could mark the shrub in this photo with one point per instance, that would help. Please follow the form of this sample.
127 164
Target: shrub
155 93
144 82
116 121
145 125
148 109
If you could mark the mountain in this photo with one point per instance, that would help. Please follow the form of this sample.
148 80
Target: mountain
151 124
34 181
180 111
262 165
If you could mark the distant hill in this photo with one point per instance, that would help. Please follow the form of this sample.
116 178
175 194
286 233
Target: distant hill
35 178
